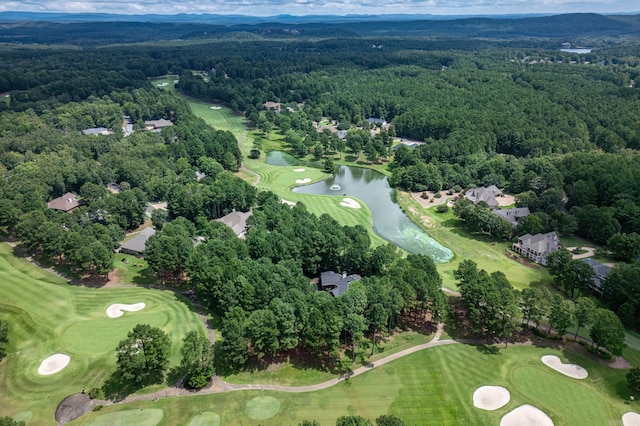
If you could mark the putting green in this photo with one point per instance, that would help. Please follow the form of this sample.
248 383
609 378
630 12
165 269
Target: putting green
149 417
208 418
262 407
544 389
103 335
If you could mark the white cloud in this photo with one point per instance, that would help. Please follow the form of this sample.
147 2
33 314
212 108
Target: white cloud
303 7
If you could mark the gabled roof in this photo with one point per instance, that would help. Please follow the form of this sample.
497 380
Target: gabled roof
158 124
540 243
336 283
66 202
600 272
138 243
488 195
236 221
512 215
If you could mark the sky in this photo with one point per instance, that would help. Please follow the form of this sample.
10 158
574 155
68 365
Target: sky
324 7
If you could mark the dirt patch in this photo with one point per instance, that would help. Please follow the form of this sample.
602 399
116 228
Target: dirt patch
505 200
428 198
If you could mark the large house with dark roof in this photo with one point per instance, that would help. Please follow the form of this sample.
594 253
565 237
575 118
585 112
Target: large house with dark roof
335 283
537 247
157 125
65 203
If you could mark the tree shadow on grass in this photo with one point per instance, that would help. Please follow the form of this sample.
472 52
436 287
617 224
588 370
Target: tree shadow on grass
117 387
488 349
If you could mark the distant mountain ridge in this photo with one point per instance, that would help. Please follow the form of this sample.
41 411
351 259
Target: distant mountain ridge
83 31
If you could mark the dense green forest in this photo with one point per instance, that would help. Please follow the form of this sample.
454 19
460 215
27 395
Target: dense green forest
558 129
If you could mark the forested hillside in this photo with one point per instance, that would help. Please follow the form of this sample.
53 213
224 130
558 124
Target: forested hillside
557 129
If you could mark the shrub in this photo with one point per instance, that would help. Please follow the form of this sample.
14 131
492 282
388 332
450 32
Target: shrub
424 196
437 195
96 393
442 208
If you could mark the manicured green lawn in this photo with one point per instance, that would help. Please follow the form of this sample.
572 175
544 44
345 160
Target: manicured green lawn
49 316
434 386
488 254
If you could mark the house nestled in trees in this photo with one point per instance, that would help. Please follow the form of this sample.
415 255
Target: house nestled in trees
65 203
137 244
273 105
236 221
488 195
600 272
157 125
512 215
335 283
537 247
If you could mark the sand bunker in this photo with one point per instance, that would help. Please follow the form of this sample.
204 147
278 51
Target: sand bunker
299 170
491 397
165 84
631 419
53 364
350 202
305 180
117 309
216 107
572 370
290 203
526 415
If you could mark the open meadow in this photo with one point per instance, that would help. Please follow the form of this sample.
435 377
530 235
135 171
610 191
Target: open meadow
49 316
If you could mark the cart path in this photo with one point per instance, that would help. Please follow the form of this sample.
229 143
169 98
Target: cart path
220 385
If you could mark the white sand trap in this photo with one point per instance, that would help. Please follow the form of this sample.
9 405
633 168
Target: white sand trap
289 203
53 364
572 370
526 415
491 397
299 170
350 202
631 419
216 107
305 180
117 309
163 84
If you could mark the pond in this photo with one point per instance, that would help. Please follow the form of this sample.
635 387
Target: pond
389 221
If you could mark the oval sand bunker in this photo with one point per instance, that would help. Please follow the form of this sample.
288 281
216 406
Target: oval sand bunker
305 180
631 419
491 397
572 370
526 415
53 364
118 309
299 170
350 202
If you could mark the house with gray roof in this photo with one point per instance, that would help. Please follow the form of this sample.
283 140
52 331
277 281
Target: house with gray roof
335 283
537 247
600 272
512 215
157 125
236 221
488 195
137 244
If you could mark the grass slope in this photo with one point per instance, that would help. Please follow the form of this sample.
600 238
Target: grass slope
434 386
49 316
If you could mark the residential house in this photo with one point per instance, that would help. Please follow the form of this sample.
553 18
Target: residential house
600 272
236 221
156 126
488 195
137 244
65 203
537 247
335 283
272 105
512 215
